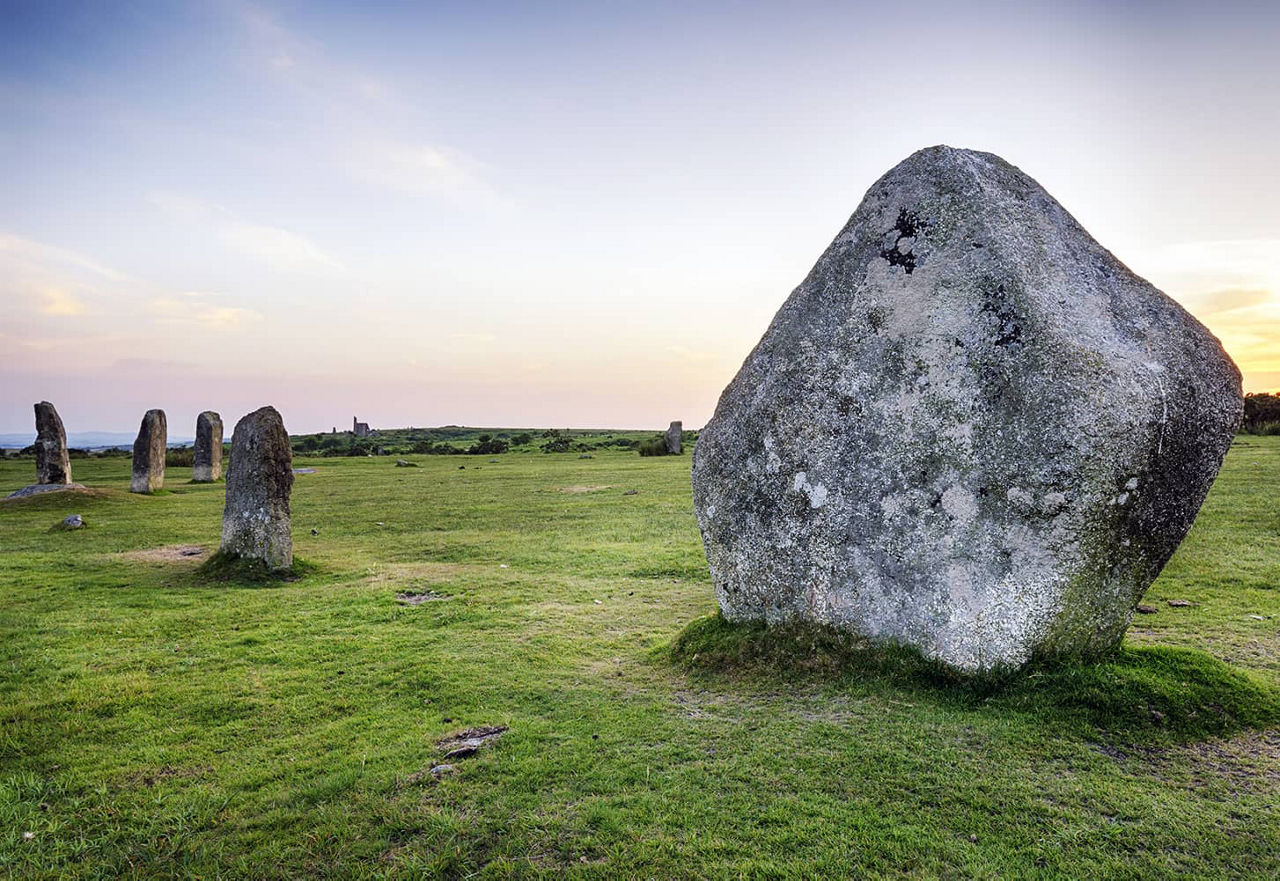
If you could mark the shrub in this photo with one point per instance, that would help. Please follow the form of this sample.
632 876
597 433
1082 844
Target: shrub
521 439
179 457
557 444
487 446
654 446
1261 414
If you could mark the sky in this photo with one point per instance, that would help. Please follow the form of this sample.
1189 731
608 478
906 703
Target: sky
564 214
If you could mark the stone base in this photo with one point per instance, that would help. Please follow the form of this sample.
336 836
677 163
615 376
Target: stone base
37 488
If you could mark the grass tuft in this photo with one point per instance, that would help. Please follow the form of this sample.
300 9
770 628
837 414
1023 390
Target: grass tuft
1152 693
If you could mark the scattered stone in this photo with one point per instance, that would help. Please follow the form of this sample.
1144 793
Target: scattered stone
315 532
982 452
1145 610
72 521
631 492
586 456
1182 604
442 769
405 463
674 438
53 464
1257 618
149 452
304 471
207 462
256 519
462 467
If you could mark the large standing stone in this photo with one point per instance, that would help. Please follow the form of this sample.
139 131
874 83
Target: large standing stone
970 430
53 465
673 438
255 520
206 466
148 453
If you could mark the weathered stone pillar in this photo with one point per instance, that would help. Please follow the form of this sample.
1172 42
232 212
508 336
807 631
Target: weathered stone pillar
148 453
673 437
53 466
207 464
256 520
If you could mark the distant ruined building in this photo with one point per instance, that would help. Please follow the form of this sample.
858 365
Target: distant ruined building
360 429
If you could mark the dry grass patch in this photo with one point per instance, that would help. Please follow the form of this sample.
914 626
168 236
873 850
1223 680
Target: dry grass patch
166 554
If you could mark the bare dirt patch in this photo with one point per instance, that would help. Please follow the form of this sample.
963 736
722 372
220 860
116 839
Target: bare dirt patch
418 597
574 490
167 554
463 744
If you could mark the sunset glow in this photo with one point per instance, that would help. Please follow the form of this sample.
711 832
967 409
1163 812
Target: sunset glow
568 214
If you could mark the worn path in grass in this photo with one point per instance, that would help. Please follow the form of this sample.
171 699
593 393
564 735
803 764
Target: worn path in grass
158 723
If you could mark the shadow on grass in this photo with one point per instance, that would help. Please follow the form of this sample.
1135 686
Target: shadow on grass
223 568
1151 693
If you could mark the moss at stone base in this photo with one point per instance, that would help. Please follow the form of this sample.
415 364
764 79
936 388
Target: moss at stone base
226 567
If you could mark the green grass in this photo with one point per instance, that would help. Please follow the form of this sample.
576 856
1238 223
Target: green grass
157 722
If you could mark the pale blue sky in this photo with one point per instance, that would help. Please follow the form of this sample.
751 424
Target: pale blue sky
564 214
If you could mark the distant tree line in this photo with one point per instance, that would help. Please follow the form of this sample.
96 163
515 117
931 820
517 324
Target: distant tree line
1261 414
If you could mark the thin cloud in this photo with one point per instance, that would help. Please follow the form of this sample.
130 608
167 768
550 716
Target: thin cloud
191 310
280 249
58 302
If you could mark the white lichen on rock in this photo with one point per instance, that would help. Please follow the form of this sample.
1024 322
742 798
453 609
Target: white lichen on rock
970 430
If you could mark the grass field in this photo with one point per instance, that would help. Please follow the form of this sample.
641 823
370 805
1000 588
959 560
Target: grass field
153 722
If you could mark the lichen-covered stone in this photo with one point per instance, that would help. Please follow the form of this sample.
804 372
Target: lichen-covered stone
53 465
673 438
255 520
970 430
206 466
148 453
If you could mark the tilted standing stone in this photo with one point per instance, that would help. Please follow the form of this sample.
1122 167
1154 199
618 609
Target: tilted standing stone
206 466
53 465
255 520
673 438
148 453
970 430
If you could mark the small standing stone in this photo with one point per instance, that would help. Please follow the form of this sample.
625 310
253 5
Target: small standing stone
673 438
207 464
148 453
73 521
53 466
256 519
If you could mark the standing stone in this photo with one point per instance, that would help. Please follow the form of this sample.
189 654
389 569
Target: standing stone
148 453
206 466
255 520
53 465
673 437
970 430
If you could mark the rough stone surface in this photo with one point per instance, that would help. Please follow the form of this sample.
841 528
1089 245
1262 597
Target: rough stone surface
52 462
970 430
148 453
206 465
255 521
73 521
673 437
